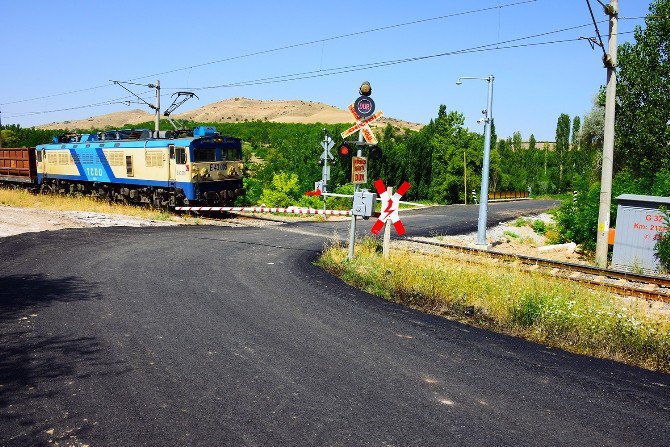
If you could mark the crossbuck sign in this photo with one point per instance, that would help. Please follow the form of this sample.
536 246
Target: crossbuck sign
390 204
362 124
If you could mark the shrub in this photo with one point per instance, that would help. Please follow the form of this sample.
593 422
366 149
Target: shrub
539 226
284 191
663 243
253 190
521 222
578 222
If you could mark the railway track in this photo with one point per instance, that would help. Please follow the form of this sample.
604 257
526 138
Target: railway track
656 288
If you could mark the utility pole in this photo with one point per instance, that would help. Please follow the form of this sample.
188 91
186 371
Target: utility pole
158 107
484 199
0 129
609 59
484 194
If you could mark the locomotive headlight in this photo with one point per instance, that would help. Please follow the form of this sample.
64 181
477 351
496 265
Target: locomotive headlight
203 172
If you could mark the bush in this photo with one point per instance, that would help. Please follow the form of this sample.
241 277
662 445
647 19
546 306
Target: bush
283 192
539 226
663 244
253 190
578 222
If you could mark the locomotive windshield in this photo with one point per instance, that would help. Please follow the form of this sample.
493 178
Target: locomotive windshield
218 149
204 154
230 153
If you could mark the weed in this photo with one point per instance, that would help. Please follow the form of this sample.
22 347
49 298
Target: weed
521 222
539 226
511 234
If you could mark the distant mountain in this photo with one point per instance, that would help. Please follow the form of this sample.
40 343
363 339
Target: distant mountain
236 110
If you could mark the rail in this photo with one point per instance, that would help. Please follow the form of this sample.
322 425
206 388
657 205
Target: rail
597 275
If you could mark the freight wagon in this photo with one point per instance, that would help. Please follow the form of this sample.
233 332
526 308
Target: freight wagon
17 165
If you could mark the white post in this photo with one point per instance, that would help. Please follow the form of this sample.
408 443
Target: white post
352 228
387 228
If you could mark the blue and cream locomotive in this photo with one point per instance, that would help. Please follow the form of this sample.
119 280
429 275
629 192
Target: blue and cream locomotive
131 166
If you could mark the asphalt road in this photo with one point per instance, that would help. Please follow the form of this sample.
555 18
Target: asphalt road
214 336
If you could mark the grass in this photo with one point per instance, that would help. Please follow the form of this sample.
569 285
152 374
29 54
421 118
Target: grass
521 222
501 298
23 199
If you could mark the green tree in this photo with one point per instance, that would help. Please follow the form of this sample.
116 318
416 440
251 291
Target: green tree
9 138
576 133
643 92
562 145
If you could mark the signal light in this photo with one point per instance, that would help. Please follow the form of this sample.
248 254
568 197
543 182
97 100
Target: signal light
366 89
375 152
345 150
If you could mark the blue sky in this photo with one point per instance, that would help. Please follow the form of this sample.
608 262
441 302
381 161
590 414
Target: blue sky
52 47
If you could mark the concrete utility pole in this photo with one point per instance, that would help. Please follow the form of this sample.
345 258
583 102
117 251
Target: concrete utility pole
484 194
612 10
0 129
158 107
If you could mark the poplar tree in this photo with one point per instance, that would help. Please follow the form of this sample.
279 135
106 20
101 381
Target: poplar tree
562 145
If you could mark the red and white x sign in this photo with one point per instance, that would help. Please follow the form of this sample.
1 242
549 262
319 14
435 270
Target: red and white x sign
362 124
389 207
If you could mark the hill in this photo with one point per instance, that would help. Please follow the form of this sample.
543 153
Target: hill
235 110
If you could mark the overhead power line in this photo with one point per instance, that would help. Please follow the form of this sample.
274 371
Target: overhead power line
340 36
509 44
282 48
123 100
349 68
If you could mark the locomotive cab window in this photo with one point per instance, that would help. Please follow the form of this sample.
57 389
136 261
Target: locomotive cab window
204 154
180 155
39 156
230 153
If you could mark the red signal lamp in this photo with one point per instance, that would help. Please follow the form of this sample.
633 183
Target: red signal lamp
345 150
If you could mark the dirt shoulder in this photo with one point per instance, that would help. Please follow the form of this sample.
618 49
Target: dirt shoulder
24 220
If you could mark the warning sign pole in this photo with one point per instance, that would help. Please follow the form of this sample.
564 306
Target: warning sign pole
352 227
387 229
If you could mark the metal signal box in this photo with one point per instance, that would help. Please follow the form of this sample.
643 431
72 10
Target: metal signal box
364 203
639 225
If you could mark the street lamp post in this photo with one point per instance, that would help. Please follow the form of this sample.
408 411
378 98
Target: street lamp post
484 194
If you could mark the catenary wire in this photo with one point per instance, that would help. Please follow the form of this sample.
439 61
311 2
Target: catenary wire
264 80
286 47
383 63
347 69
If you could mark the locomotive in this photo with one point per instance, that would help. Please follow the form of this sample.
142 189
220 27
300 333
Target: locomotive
133 166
